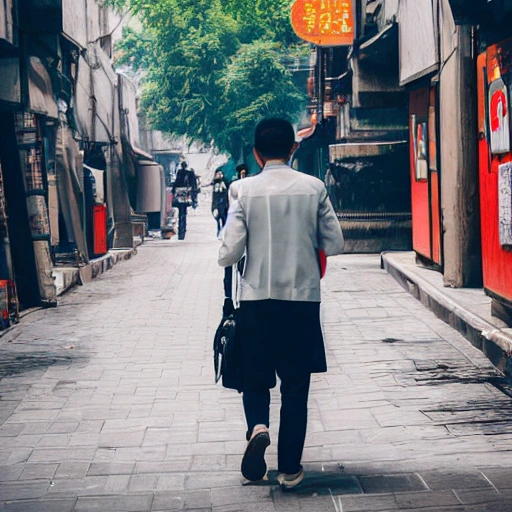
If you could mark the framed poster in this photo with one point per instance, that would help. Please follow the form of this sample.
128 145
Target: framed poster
499 117
421 152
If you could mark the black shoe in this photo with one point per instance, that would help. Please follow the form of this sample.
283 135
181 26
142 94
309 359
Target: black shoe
254 466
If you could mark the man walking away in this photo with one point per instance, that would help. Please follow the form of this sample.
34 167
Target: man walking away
184 190
280 219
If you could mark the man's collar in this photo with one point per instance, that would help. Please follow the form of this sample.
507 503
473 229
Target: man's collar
275 163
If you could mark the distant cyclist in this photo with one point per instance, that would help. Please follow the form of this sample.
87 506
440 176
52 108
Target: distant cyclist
184 190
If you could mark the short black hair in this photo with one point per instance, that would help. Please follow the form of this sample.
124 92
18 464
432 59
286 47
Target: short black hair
274 138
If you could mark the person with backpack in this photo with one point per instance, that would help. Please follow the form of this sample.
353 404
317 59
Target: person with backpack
184 191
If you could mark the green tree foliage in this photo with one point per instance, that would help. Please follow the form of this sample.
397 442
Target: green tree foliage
255 85
262 19
135 49
213 68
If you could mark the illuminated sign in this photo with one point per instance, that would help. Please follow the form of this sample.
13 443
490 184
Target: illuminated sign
324 22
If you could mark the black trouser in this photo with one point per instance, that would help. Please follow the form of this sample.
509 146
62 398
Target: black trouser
220 224
182 221
293 418
228 282
280 337
221 218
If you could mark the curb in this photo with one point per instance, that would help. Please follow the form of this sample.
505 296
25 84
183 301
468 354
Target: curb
494 342
66 278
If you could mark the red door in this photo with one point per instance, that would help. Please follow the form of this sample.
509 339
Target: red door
425 183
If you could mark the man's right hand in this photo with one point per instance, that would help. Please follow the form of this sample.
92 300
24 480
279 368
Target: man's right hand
228 307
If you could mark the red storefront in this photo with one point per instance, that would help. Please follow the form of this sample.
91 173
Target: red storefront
419 69
425 183
495 156
494 89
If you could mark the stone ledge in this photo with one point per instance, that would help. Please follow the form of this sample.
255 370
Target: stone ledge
67 278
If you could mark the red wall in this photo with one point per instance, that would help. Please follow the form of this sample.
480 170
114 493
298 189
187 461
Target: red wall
497 263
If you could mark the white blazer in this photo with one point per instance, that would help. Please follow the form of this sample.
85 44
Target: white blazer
279 219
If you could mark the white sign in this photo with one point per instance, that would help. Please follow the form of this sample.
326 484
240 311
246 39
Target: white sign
499 117
505 204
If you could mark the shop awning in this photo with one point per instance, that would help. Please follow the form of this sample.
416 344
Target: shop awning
304 133
418 40
40 89
339 152
382 45
141 154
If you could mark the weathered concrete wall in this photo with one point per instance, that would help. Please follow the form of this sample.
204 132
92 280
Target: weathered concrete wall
6 22
459 171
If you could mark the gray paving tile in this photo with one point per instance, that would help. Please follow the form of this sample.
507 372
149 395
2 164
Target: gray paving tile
442 480
141 483
239 495
38 471
90 485
61 505
426 499
23 490
172 482
73 470
367 503
10 473
111 468
500 477
11 430
160 467
132 503
185 501
477 496
391 483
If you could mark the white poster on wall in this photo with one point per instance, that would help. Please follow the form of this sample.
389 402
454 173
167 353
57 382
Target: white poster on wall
499 117
505 204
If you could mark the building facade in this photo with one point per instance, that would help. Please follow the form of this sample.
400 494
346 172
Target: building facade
359 145
69 127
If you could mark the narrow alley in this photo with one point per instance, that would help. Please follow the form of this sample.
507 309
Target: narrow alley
108 402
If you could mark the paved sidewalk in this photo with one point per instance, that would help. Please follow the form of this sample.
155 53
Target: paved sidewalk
467 310
107 403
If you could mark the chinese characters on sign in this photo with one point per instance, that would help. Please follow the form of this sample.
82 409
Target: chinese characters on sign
324 22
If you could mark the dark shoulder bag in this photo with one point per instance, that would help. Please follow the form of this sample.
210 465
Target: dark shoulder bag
225 359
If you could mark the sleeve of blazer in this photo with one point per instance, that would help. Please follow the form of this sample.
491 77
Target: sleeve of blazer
235 232
330 237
